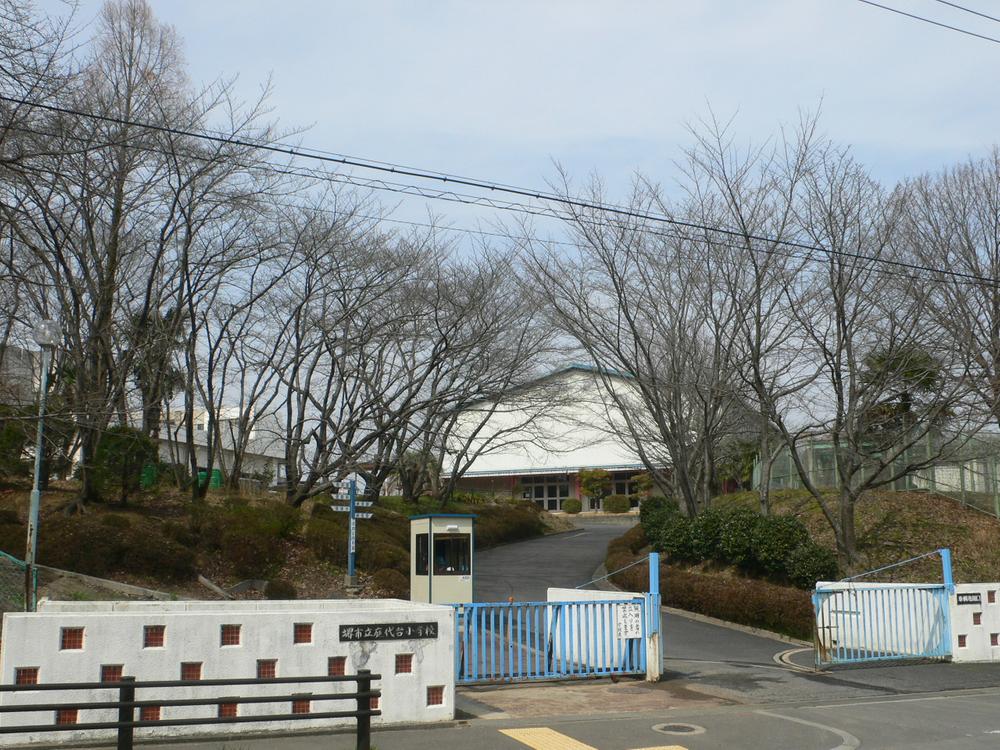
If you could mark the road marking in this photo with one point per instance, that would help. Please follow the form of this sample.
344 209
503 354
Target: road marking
897 700
847 741
785 658
543 738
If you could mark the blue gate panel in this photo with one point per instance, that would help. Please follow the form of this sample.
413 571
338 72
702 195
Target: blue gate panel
504 642
867 623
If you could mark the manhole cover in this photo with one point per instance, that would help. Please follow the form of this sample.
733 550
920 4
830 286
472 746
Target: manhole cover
674 728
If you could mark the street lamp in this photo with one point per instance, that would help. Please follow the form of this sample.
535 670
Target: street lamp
46 335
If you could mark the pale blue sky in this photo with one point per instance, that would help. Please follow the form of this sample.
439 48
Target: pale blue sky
500 89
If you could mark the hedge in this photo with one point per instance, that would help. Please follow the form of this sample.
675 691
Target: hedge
572 506
617 504
778 547
748 601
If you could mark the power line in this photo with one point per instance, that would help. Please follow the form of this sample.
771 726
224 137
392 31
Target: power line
935 23
969 10
465 198
910 272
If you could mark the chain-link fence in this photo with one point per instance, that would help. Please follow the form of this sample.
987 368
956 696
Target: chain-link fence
970 472
12 580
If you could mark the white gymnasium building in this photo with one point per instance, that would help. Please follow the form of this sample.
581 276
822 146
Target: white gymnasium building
537 444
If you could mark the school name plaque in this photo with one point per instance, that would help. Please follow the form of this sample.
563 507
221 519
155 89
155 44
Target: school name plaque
402 631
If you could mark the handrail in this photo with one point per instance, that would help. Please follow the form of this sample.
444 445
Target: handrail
126 704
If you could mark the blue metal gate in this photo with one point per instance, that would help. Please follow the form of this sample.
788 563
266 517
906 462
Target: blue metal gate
506 642
888 622
870 622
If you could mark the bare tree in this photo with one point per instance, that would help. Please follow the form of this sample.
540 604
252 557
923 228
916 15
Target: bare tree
644 301
495 341
753 194
891 396
951 225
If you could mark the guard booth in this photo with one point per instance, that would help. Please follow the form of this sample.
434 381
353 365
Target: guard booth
442 549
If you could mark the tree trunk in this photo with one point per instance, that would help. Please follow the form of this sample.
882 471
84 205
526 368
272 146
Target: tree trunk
846 537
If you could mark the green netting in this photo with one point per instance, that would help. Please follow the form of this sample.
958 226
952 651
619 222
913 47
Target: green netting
12 584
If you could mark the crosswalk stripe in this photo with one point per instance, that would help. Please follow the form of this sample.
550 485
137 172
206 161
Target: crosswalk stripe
543 738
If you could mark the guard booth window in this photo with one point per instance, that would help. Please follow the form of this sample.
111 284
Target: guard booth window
451 554
422 554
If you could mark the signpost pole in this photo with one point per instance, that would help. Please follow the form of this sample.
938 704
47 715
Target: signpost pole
352 534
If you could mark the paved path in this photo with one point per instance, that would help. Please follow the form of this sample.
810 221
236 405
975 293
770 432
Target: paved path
524 570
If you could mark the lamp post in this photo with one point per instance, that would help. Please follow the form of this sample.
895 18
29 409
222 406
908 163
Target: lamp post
46 335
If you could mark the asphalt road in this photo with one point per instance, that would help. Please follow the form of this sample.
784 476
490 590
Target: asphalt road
724 684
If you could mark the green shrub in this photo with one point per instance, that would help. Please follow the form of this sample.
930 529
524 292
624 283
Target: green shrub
809 563
162 558
327 539
617 504
252 536
12 539
736 537
706 528
654 512
121 454
391 584
87 544
279 588
382 556
572 506
674 538
748 601
14 439
634 539
774 538
180 534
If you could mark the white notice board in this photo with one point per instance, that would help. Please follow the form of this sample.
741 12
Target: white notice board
628 620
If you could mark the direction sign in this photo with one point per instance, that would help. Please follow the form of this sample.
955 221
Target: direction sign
363 504
363 515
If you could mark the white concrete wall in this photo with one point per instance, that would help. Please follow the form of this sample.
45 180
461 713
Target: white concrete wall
113 634
978 637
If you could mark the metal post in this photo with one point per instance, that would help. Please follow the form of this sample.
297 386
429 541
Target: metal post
36 492
352 533
126 714
993 486
654 639
949 581
364 707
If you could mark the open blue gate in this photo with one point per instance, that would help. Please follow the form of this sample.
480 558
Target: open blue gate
859 623
510 641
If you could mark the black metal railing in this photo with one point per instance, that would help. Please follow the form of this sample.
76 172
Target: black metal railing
127 704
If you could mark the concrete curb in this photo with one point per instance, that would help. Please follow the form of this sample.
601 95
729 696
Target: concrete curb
124 588
606 585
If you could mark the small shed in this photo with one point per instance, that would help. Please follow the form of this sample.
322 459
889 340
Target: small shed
442 558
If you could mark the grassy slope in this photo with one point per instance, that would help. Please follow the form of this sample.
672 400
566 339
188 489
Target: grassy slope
893 526
315 570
